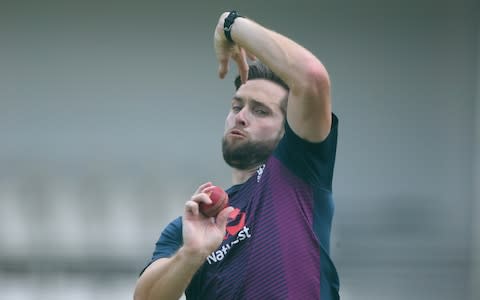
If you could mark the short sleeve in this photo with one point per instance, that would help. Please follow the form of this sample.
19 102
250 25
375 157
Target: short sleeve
313 162
170 241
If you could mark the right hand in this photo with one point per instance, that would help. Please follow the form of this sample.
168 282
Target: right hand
226 50
202 235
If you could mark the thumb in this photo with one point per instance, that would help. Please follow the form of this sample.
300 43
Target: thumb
240 58
222 217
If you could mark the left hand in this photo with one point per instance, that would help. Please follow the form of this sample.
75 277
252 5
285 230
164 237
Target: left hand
225 50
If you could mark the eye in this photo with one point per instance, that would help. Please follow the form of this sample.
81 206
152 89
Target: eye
236 108
260 111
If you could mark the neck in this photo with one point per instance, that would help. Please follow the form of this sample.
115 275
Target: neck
240 176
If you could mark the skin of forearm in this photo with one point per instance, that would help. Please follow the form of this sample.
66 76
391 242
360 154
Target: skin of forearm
290 61
168 278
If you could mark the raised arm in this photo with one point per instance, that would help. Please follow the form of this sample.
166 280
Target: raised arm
309 105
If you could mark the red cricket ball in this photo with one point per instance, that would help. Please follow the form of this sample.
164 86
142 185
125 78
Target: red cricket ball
219 201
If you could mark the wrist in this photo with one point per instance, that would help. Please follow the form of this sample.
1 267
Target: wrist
195 256
192 257
228 21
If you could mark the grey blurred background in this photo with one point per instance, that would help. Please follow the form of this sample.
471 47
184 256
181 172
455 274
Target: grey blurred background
111 114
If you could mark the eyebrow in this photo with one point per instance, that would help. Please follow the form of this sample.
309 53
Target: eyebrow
253 101
239 99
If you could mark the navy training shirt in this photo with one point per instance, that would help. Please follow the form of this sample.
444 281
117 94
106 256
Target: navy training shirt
278 236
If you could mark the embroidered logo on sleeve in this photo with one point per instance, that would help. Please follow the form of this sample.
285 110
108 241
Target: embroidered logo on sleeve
260 172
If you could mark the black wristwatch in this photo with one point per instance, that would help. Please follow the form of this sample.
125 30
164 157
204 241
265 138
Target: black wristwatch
227 24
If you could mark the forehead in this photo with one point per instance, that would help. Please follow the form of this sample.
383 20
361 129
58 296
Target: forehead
262 90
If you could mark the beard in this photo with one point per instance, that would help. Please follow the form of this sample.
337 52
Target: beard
247 155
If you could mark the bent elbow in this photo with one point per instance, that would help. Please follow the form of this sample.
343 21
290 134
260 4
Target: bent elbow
317 80
314 80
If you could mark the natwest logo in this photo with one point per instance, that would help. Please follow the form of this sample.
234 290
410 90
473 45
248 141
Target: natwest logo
236 221
236 227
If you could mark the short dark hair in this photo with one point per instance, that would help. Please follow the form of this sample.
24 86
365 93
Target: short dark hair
258 70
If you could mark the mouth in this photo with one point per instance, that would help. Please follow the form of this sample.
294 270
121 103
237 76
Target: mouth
237 133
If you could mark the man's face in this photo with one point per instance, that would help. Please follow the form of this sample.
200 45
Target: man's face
254 124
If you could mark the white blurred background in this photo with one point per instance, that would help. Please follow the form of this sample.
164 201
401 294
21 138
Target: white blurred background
111 115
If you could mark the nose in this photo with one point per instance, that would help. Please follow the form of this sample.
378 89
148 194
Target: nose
241 118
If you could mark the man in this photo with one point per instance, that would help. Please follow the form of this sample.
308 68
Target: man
273 241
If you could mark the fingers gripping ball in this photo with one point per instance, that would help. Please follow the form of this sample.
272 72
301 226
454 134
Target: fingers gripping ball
219 201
